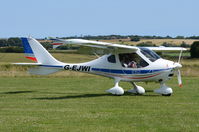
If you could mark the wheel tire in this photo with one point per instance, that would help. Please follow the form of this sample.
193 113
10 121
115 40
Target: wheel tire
166 94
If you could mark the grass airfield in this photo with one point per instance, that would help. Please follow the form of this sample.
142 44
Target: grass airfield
80 104
69 101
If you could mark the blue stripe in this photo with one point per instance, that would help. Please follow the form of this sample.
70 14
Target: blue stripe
118 71
127 71
26 45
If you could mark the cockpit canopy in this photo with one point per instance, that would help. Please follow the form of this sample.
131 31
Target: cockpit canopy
151 55
134 60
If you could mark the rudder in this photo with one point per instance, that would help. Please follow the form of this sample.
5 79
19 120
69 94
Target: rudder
36 52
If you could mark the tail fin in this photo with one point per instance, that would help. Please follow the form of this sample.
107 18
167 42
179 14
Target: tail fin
36 52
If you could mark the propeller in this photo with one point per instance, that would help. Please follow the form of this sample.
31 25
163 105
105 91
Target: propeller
179 78
180 56
178 66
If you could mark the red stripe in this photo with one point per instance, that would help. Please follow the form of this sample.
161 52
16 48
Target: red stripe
135 77
57 43
143 77
31 58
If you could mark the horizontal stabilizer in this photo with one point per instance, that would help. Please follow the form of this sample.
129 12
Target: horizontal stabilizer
28 64
42 70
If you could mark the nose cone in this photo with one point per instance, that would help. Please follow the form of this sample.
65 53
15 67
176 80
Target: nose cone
177 65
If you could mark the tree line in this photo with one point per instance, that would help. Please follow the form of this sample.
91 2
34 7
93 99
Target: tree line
109 37
17 41
14 45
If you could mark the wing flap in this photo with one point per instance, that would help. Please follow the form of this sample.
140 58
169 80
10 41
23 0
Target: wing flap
166 49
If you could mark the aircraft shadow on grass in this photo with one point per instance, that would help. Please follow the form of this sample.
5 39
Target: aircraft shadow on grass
17 92
76 96
90 96
73 96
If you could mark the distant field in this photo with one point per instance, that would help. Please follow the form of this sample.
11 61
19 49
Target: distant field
154 41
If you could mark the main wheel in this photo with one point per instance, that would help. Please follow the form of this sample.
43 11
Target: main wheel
166 94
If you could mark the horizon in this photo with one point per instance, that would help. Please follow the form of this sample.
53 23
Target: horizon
83 36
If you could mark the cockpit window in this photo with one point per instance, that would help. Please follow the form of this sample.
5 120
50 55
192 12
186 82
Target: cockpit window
132 60
111 59
152 56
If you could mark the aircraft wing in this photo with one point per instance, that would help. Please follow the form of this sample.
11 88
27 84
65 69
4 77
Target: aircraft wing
95 46
89 46
166 49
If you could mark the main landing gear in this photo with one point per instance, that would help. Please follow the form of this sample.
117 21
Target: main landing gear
117 90
137 89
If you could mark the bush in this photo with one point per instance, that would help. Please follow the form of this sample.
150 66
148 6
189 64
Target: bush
179 37
146 44
12 50
10 42
185 45
47 45
195 50
66 47
135 38
169 45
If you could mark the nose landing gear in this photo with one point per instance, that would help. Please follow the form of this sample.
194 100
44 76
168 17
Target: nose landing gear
164 90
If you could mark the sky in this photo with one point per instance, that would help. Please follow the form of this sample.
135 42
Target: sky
61 18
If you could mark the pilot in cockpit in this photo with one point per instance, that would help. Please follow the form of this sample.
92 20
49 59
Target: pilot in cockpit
129 60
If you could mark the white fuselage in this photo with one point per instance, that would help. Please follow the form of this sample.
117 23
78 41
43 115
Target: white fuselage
159 70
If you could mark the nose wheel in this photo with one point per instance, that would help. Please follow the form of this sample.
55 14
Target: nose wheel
164 90
166 94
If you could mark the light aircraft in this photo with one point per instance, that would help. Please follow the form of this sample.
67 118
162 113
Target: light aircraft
120 62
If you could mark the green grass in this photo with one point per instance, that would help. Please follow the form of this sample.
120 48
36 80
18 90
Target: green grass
80 104
71 101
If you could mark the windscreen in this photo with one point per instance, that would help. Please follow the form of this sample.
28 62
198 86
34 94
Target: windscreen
151 55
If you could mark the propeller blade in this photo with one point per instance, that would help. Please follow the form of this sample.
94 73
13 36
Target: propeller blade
177 66
179 78
180 56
